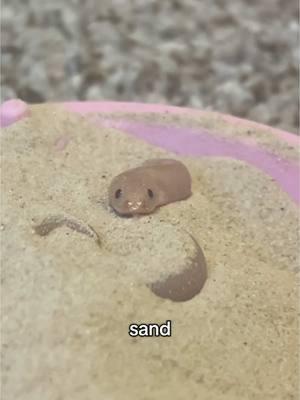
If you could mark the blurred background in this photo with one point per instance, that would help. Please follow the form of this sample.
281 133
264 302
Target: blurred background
238 56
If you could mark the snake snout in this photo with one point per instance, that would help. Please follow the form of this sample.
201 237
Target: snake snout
135 205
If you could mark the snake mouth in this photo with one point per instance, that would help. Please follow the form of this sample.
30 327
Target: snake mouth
127 215
129 212
122 214
132 214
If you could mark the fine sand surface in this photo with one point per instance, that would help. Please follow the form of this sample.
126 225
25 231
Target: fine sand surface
68 297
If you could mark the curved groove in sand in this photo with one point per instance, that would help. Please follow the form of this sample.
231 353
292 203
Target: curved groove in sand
187 284
56 221
180 287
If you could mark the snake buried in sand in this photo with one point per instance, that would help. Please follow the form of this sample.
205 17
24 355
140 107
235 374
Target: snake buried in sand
143 189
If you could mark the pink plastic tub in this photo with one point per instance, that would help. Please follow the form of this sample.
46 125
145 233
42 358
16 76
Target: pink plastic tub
189 141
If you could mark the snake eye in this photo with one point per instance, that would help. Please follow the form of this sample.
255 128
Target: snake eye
118 193
150 193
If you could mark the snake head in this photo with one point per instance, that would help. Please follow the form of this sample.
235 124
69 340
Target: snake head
132 194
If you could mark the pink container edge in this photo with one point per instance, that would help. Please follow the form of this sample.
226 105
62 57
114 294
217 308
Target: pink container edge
204 143
15 109
132 107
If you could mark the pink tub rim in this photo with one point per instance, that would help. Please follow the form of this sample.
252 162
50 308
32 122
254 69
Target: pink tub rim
108 107
285 172
15 109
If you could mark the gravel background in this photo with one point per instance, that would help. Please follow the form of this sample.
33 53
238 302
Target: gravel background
239 57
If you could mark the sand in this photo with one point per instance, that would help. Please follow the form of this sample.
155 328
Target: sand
68 300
